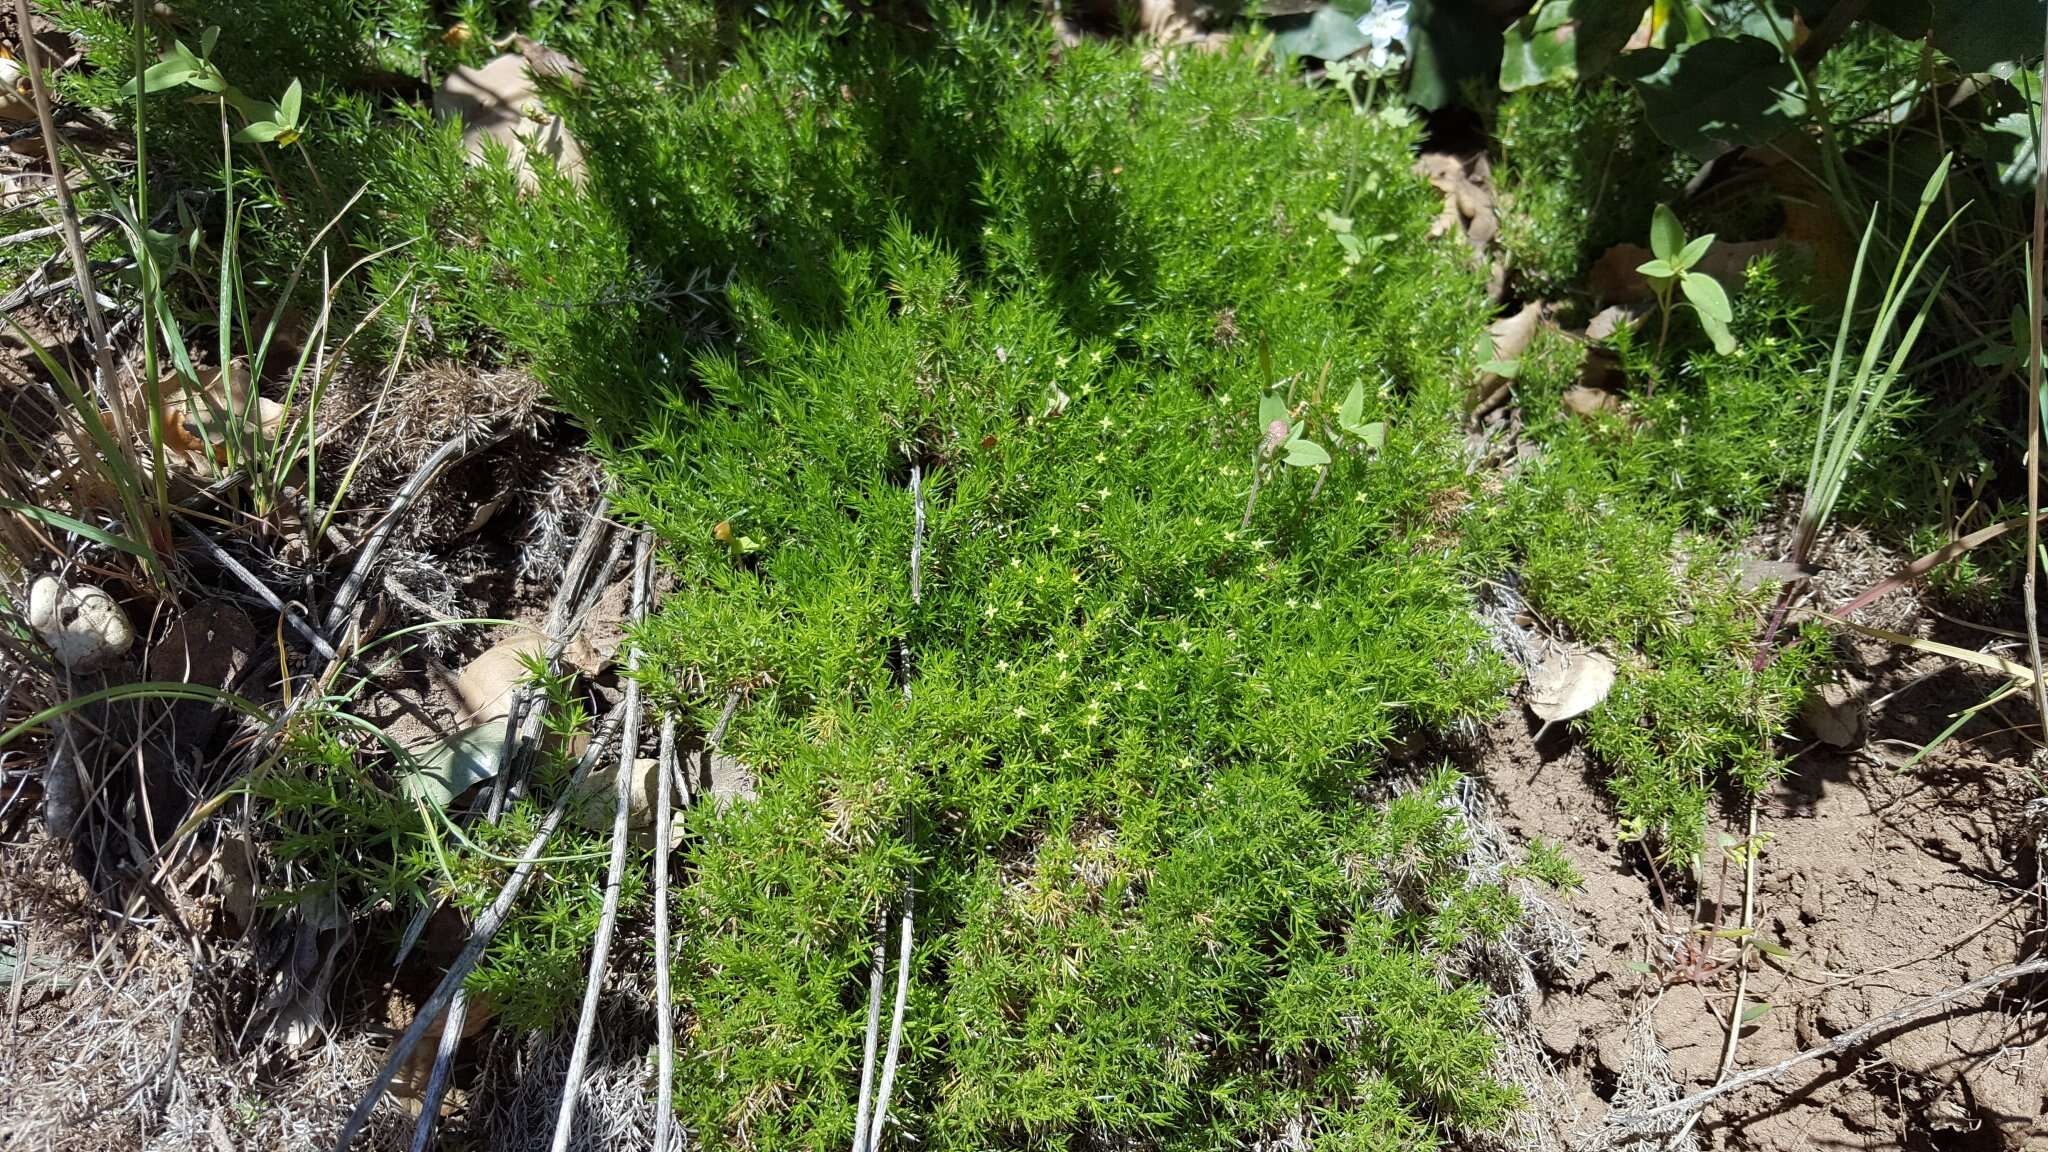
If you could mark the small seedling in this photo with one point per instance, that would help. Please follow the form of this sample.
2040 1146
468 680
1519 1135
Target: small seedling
180 67
1676 257
1293 443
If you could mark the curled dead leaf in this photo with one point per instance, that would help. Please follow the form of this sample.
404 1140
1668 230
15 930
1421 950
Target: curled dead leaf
198 417
1836 715
487 683
500 103
1569 684
1510 337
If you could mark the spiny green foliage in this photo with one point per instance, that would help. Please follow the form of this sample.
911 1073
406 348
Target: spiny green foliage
1606 532
1131 781
1579 172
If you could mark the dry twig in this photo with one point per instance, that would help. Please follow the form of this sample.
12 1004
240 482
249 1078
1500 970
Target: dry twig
629 750
1897 1018
480 936
664 1008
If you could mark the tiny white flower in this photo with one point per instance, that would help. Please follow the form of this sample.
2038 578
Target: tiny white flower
1386 26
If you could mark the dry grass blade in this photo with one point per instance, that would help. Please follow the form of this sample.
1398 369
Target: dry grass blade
2038 253
480 936
629 751
664 996
74 241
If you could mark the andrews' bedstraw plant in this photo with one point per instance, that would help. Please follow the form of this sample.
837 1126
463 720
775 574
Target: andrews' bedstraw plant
1161 897
1674 258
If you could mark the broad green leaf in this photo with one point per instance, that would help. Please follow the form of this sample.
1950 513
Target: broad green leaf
1352 410
1694 250
1667 235
288 107
1725 91
1507 369
1565 41
1336 223
208 39
1657 269
1324 34
166 73
1449 53
1373 435
1717 331
1756 1011
1706 295
1974 33
260 132
1772 948
2009 142
447 768
1272 406
1306 454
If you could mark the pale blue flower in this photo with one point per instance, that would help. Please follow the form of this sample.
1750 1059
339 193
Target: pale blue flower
1386 26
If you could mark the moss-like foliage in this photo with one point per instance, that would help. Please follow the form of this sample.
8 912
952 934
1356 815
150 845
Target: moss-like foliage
1611 534
1131 776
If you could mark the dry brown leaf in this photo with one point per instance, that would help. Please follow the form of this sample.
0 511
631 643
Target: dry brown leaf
195 417
1510 337
500 102
1614 318
1836 715
1569 684
1585 401
1466 180
487 683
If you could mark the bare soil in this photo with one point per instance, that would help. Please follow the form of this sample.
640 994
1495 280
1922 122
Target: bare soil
1882 885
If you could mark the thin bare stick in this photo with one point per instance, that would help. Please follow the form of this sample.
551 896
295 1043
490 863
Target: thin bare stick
622 806
895 1019
480 936
444 1062
74 241
517 720
861 1117
31 235
895 1048
292 616
664 1009
1749 850
2035 257
1897 1018
373 547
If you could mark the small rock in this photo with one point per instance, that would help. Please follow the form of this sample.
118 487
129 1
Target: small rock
1836 715
83 625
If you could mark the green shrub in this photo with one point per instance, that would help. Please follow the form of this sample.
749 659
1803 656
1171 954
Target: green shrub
1156 899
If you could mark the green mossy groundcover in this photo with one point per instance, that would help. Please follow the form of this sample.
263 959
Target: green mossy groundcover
1166 891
